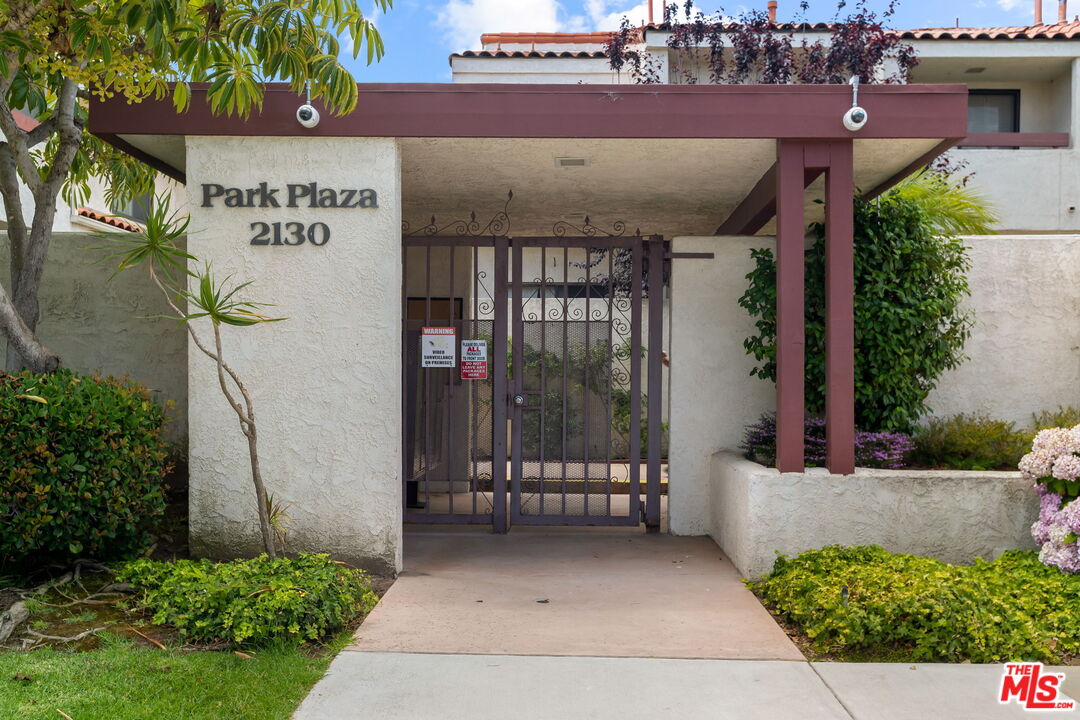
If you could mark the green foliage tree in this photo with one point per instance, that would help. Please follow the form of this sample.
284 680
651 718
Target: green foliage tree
57 54
910 283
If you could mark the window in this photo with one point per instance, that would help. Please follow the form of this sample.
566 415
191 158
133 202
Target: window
993 111
137 209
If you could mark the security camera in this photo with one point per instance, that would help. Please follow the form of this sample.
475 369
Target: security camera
855 119
307 116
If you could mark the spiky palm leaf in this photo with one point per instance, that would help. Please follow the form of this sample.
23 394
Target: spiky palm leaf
949 206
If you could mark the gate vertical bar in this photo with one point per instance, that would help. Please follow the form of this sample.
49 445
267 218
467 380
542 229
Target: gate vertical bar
656 339
408 405
427 390
585 369
518 359
474 389
635 381
543 370
498 401
448 434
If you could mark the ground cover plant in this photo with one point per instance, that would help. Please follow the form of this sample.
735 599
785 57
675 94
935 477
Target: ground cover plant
84 466
92 648
868 603
251 602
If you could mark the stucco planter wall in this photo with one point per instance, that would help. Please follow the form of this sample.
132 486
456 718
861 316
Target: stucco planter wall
756 512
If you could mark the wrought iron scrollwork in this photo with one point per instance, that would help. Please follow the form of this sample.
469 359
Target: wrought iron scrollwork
562 228
497 226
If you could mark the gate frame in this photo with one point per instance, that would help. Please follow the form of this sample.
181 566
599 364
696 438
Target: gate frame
647 248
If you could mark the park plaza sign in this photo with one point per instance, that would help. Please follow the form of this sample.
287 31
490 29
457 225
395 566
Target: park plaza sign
292 195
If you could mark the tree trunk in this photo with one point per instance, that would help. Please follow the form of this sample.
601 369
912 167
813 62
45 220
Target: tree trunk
23 349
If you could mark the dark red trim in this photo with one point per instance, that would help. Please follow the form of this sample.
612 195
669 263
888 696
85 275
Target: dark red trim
157 163
556 111
1042 140
840 310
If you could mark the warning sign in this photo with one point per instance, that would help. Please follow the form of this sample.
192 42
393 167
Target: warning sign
437 347
474 360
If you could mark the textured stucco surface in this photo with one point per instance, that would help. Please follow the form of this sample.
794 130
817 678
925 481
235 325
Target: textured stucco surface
713 396
1024 352
1025 347
112 327
327 381
757 512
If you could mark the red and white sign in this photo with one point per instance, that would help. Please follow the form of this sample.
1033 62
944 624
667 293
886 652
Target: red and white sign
474 364
437 347
1032 688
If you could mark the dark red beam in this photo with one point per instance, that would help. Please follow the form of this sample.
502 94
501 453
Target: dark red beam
557 111
1018 139
759 205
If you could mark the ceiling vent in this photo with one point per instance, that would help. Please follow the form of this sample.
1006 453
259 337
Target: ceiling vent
566 162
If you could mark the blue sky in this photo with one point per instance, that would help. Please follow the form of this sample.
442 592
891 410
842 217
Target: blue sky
420 34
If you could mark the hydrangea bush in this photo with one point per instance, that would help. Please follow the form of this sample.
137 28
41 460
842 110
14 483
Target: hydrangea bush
1054 465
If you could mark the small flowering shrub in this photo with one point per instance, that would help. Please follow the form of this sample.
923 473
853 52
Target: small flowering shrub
1054 465
872 449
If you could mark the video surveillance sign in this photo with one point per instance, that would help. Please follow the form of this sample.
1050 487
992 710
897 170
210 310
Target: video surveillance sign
437 347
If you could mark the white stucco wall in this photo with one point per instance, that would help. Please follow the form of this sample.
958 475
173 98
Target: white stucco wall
1024 352
756 512
713 396
1025 347
327 381
110 326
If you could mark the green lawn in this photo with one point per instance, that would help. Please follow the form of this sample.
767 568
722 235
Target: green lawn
122 682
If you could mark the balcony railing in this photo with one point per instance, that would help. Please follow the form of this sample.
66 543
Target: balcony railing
1015 140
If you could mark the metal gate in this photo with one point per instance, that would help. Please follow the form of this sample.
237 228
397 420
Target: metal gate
552 427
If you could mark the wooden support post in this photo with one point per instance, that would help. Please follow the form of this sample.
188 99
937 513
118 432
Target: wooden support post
790 315
840 311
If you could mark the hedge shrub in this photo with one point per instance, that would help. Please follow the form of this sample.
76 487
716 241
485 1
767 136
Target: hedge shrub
253 601
82 464
910 322
867 599
970 442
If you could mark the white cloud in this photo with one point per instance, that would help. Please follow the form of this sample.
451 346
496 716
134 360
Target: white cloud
607 14
465 20
1012 4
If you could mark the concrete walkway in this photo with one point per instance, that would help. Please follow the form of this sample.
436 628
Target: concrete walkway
631 626
606 593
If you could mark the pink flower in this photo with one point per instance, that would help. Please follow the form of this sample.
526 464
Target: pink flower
1066 467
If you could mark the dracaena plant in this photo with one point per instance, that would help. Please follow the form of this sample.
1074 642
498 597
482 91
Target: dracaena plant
56 55
210 303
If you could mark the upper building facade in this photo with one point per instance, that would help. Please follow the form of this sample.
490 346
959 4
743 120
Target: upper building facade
1023 113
